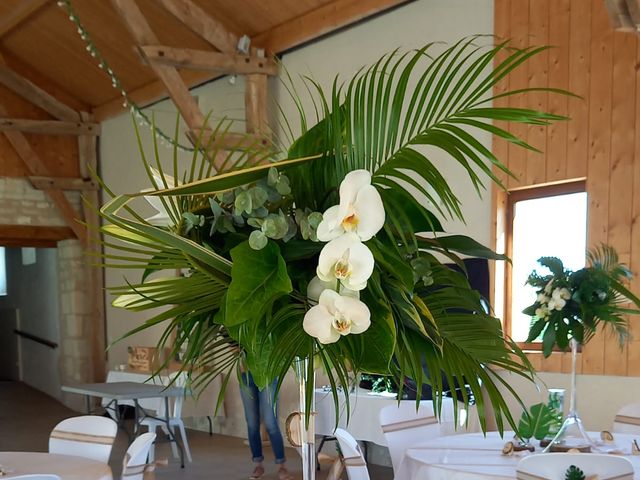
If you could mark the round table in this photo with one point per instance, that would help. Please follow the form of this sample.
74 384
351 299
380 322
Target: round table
67 467
473 457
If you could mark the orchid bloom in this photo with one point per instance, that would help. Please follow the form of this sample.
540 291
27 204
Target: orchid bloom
346 260
162 218
335 316
317 286
360 210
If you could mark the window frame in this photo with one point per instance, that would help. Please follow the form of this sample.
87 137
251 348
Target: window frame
514 196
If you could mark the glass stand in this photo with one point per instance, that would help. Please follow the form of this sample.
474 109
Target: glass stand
572 434
307 431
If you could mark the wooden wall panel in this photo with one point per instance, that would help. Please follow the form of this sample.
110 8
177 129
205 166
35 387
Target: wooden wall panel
601 141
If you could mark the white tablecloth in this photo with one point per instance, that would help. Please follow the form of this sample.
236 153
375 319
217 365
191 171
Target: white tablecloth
474 457
201 404
364 420
67 467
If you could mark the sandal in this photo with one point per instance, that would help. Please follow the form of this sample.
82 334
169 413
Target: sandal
258 472
283 474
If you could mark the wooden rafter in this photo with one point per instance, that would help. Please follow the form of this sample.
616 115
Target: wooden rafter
318 22
49 127
36 166
20 14
178 91
275 40
36 95
200 22
33 236
207 60
62 183
255 104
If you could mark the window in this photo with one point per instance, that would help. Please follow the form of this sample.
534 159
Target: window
3 272
541 221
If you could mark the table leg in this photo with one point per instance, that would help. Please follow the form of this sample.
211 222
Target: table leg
172 436
135 417
87 399
210 426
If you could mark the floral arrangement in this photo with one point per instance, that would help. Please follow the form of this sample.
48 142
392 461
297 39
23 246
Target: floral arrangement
572 304
327 245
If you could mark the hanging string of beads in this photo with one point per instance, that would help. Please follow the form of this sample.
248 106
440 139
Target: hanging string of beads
127 101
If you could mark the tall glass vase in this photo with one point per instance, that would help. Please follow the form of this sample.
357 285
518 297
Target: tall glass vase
307 431
572 433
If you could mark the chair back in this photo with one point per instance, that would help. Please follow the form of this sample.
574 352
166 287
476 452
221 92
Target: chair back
352 457
135 460
37 476
87 436
404 426
627 420
552 466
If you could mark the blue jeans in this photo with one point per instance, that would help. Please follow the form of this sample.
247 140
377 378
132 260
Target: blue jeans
261 405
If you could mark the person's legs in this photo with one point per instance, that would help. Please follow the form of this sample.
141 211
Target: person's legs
251 403
268 410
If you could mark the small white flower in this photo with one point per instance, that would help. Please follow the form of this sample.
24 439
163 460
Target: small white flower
542 311
561 293
360 210
317 286
542 298
347 260
336 315
557 304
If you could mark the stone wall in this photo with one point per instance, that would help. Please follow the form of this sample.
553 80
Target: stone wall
21 204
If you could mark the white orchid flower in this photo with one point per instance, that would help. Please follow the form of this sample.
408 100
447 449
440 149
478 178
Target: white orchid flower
347 260
542 298
336 315
360 210
561 293
557 304
317 286
542 311
162 218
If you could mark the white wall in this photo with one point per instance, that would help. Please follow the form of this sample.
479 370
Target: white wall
410 26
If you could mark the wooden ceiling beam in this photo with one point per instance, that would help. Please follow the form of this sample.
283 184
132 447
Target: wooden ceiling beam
201 23
36 166
20 14
229 141
318 22
33 236
226 63
62 183
276 40
36 95
49 127
169 76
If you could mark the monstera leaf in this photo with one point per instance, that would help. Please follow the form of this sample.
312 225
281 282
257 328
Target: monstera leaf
536 422
574 473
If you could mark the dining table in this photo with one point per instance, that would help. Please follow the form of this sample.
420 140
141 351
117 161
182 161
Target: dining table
472 456
67 467
116 392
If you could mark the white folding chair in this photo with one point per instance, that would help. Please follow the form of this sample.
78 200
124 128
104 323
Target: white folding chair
551 466
175 420
352 457
87 436
404 426
36 476
135 460
627 420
